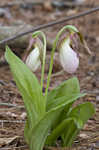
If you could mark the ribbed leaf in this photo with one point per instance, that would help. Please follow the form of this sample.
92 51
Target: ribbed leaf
29 88
59 100
69 126
81 113
68 89
71 132
40 132
40 123
42 129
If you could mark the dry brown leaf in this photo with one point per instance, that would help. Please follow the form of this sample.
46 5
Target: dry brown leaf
6 141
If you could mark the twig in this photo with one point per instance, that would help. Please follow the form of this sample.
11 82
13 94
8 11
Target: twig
57 74
10 148
18 3
53 3
12 121
11 105
65 4
51 24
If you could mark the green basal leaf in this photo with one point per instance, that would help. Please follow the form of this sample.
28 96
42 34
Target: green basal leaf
46 122
27 131
42 129
81 113
68 102
69 126
70 132
29 88
58 101
40 132
68 89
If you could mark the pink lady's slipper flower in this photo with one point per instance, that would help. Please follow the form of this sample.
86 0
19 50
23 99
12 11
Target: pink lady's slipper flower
68 57
33 60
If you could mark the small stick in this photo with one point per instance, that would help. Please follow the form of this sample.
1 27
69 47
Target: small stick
70 4
11 105
10 148
17 3
51 24
12 121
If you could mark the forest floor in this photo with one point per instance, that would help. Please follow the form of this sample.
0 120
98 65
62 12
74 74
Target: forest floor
12 119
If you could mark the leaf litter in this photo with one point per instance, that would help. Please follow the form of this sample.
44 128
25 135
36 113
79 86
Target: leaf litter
12 119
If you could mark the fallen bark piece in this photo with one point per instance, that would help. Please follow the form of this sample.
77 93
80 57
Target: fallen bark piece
8 31
6 141
23 41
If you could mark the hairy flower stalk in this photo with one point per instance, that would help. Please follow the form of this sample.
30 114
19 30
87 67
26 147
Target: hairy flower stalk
68 57
71 29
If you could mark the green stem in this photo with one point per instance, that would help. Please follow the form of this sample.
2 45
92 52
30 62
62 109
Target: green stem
71 29
44 54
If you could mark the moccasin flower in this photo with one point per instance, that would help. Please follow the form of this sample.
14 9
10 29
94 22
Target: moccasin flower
33 60
68 57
